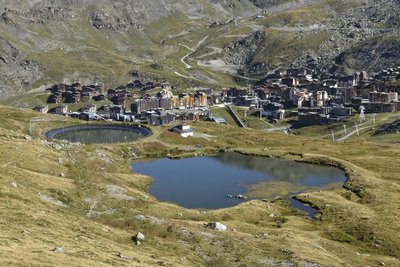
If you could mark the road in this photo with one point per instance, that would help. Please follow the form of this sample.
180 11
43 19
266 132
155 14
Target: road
156 137
236 117
174 36
353 132
183 76
277 129
192 50
342 131
216 50
362 126
42 119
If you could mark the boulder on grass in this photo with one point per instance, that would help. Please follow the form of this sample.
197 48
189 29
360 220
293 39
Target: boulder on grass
216 226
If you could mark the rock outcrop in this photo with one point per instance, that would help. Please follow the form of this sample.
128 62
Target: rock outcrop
46 41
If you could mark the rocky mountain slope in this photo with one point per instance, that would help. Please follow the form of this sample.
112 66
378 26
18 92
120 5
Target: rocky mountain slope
47 41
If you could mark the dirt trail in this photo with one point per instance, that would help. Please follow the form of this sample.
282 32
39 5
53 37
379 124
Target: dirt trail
216 50
191 51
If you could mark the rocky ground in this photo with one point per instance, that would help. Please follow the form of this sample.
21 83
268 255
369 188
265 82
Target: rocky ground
389 128
349 36
54 41
74 204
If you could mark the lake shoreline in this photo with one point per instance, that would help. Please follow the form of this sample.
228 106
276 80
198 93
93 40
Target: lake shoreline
259 154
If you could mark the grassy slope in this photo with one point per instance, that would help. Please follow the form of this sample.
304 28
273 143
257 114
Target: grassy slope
110 56
352 224
223 113
350 122
252 118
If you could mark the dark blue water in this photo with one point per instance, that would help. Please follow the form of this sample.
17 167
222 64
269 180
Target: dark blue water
99 133
99 136
204 182
310 211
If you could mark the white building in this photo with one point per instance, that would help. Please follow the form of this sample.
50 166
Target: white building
184 130
322 97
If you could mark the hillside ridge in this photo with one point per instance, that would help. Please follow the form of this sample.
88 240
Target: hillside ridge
44 42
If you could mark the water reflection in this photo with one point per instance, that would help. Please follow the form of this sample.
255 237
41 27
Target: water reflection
283 170
204 182
99 134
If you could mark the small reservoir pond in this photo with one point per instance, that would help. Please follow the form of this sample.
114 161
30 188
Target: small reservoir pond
99 133
205 182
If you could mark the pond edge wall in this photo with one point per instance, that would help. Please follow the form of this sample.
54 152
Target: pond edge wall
145 132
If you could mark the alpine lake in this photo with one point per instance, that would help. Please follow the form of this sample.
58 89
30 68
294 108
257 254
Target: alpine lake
229 178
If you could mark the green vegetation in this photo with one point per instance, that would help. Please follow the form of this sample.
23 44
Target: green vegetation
305 16
284 45
365 127
101 221
85 198
30 100
251 118
223 113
